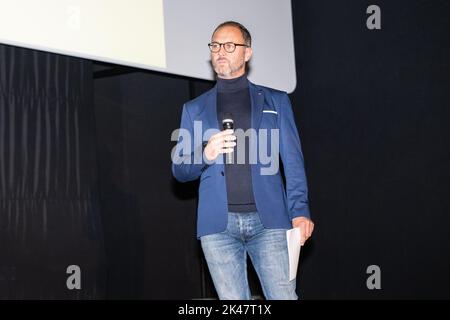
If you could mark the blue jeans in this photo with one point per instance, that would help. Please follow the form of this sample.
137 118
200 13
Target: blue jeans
226 255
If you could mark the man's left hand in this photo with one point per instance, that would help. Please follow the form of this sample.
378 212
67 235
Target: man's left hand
306 228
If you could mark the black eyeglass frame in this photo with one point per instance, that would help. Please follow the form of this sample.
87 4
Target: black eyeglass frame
225 43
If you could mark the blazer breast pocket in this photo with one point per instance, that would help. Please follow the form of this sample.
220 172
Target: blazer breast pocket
269 119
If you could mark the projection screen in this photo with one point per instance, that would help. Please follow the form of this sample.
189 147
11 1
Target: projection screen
162 35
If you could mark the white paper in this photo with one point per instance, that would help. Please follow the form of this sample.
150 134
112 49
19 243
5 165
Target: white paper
293 243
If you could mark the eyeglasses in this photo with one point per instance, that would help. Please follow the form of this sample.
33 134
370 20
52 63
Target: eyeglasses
228 46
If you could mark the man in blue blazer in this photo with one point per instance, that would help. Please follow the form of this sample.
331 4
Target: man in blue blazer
244 207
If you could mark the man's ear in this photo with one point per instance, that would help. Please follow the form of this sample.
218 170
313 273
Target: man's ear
248 53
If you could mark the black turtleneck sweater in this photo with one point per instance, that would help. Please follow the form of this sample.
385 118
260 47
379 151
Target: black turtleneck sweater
233 97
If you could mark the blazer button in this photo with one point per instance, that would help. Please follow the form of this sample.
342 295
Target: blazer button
222 173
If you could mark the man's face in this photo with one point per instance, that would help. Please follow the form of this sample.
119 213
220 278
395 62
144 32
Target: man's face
230 65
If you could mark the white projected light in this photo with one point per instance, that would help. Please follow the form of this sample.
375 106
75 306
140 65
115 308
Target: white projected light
108 30
163 35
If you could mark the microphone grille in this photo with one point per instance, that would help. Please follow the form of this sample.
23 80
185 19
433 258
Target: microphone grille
227 117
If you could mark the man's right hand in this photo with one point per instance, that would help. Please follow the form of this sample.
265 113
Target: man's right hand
222 142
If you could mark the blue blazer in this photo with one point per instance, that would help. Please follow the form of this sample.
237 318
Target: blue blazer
276 204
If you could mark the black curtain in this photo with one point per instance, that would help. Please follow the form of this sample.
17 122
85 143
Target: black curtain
49 213
373 111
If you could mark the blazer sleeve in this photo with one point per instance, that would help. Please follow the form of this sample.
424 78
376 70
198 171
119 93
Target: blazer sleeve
293 163
187 158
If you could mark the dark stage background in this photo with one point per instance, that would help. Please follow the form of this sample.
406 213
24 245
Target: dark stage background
85 165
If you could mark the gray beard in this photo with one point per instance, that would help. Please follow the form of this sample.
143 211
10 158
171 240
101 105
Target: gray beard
231 70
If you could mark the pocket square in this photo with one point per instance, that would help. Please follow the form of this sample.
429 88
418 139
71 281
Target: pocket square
270 111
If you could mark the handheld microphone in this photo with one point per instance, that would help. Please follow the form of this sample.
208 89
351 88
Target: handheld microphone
228 123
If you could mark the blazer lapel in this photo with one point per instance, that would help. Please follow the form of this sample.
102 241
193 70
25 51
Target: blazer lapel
257 99
211 110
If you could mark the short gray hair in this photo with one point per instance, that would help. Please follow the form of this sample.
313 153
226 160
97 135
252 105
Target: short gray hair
245 33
